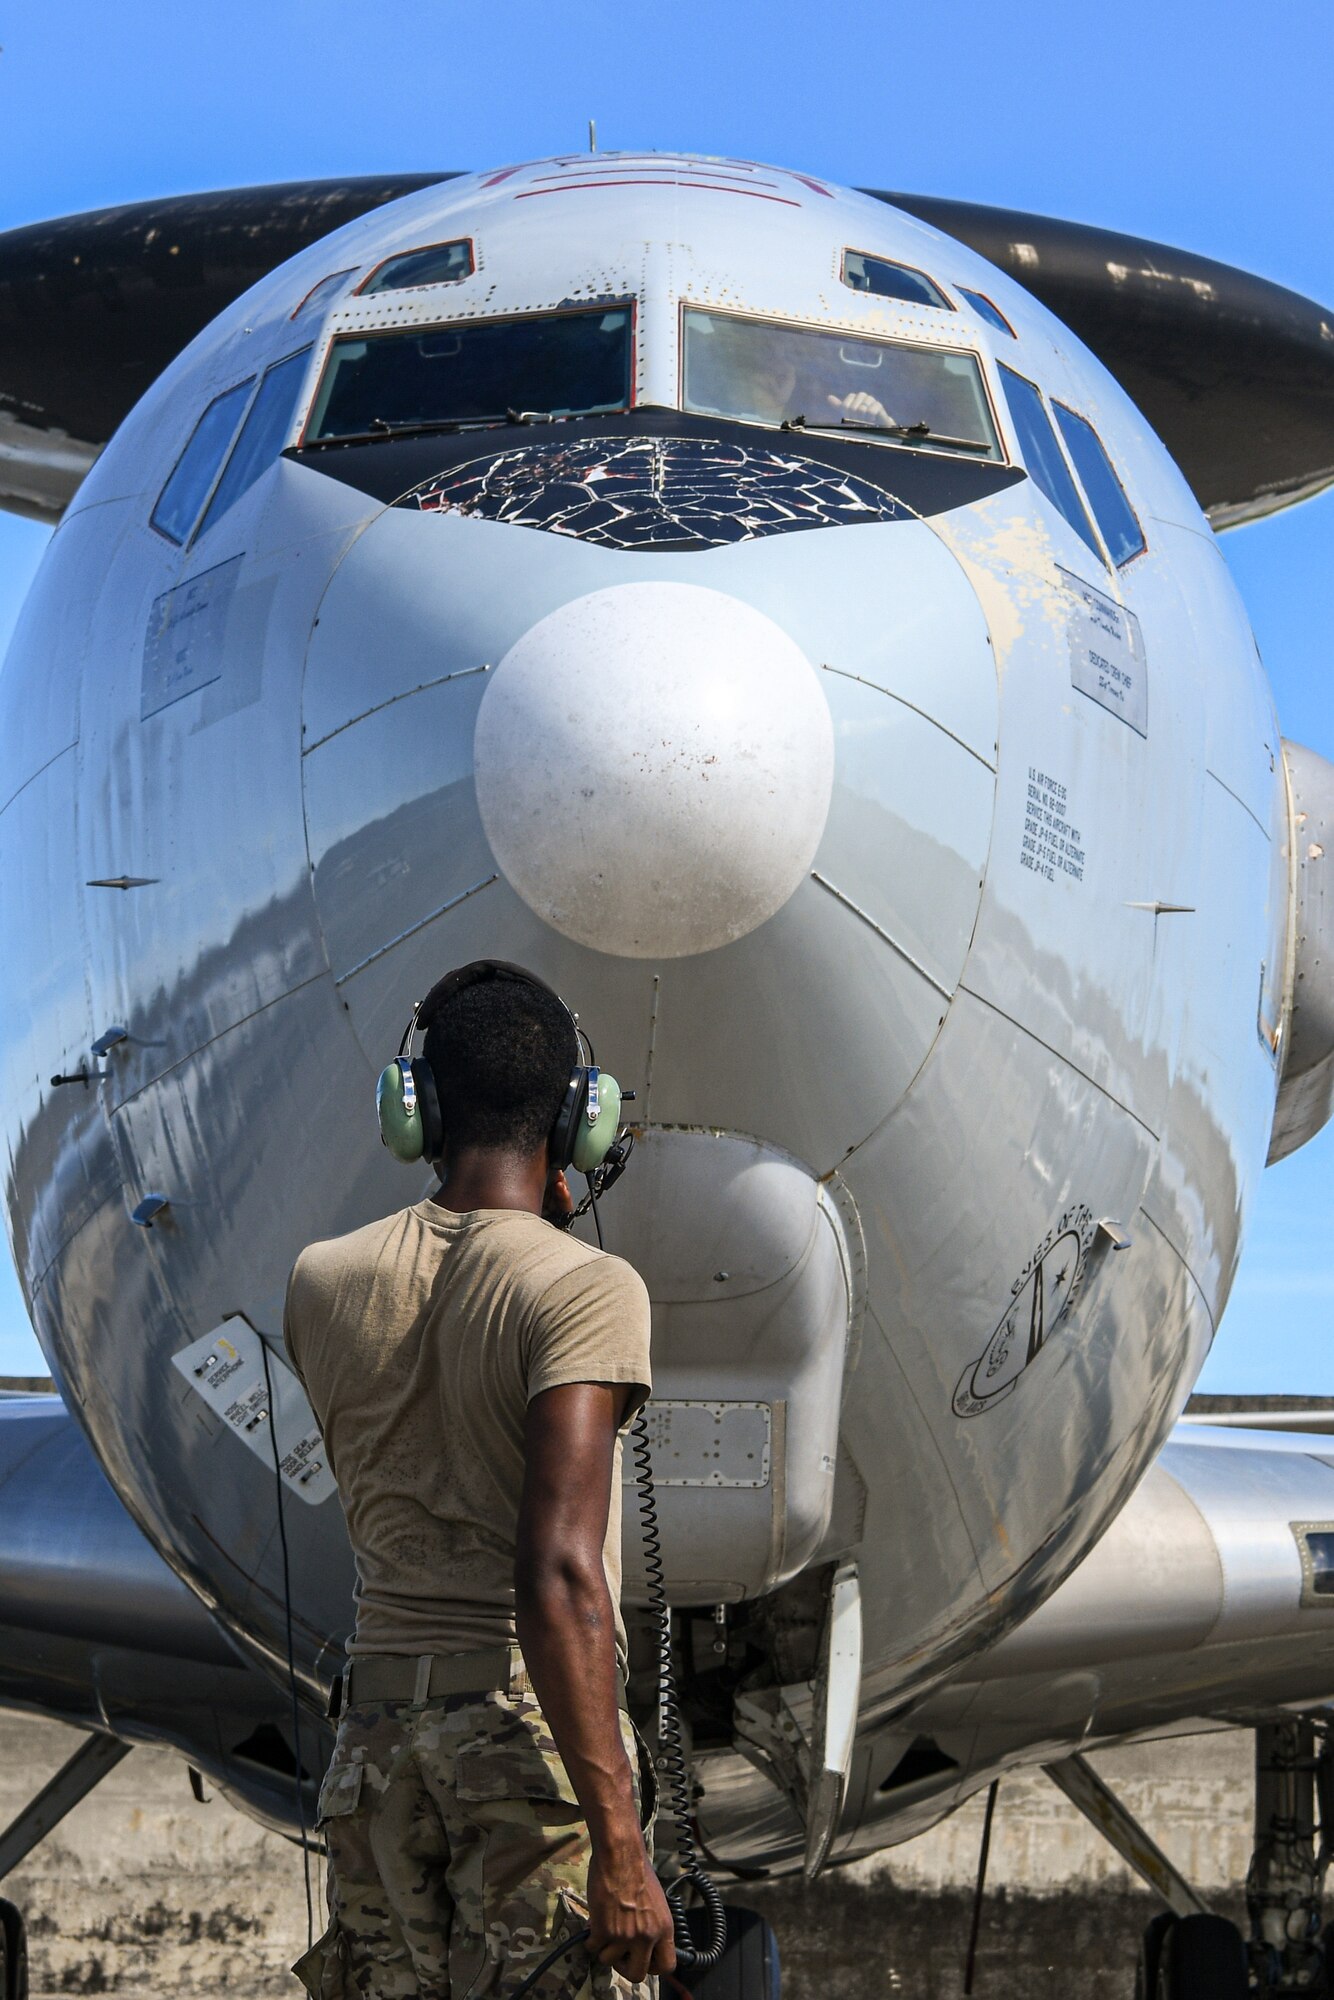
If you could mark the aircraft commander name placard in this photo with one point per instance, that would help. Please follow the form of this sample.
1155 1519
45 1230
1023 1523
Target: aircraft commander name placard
1107 660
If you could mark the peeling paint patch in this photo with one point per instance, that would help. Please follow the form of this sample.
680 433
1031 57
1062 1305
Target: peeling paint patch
1011 566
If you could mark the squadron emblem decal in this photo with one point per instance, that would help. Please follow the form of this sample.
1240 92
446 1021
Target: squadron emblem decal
1040 1298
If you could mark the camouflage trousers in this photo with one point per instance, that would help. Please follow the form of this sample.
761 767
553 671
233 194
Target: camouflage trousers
457 1856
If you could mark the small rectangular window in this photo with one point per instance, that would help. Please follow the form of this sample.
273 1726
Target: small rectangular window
1315 1546
884 280
263 434
1043 456
321 293
438 264
984 309
196 469
1106 495
1322 1564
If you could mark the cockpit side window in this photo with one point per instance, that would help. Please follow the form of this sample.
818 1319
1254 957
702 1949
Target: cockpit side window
1106 495
1043 456
801 378
321 293
985 310
437 264
197 467
549 365
885 280
263 434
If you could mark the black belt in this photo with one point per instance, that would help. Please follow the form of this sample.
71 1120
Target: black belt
428 1676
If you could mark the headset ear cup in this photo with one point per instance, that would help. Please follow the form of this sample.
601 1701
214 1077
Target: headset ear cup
428 1101
570 1120
593 1142
399 1115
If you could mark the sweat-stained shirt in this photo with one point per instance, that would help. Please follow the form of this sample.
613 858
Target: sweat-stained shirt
421 1340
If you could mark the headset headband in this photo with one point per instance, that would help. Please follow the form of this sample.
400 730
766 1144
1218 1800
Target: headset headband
480 972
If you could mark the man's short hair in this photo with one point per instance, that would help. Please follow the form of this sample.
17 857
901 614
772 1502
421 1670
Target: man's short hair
501 1053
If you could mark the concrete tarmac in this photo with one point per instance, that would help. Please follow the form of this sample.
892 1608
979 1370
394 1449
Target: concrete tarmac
144 1891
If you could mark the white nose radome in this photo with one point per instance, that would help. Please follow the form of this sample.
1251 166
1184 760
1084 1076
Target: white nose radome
654 765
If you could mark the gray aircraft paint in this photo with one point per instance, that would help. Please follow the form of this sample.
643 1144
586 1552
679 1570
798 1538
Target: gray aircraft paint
1011 977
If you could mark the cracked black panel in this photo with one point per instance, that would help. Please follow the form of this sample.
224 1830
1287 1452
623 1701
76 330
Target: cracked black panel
655 492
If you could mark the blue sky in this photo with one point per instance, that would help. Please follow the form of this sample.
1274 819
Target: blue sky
1203 125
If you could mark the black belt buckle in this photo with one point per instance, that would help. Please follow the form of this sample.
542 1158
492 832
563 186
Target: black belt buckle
337 1697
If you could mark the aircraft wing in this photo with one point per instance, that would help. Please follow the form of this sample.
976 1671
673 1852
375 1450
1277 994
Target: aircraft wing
96 1631
1234 373
1209 1600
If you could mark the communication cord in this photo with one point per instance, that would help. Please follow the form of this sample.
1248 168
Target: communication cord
291 1650
690 1957
671 1741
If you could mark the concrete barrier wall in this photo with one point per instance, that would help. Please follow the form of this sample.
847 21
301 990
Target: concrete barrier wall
143 1890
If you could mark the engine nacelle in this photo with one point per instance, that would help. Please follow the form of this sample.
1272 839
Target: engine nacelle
1306 1087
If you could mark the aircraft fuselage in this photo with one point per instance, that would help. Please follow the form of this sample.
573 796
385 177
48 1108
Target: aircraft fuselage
917 853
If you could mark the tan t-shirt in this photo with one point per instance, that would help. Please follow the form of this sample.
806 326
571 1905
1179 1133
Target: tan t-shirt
420 1340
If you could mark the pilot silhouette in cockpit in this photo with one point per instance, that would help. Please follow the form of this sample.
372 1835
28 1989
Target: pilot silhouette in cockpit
744 369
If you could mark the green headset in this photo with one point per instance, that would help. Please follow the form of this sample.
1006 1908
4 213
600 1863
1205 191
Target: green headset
408 1104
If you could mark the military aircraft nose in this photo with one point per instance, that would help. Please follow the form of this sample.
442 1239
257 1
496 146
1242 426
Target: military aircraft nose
723 799
654 764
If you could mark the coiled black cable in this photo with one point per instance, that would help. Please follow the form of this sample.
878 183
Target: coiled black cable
690 1957
570 1943
671 1756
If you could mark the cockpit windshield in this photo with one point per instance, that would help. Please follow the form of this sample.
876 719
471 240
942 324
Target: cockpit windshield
794 377
549 365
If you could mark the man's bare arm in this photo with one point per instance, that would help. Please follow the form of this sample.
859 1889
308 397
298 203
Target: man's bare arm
567 1632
